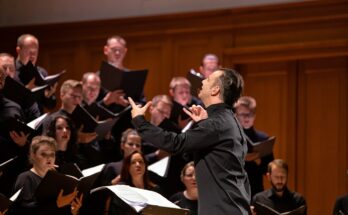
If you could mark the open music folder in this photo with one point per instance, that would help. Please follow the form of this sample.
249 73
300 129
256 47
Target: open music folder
82 117
263 209
32 127
18 93
30 71
264 148
143 201
131 82
54 181
195 79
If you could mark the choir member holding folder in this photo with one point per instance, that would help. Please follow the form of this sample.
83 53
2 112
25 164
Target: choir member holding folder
17 92
279 199
12 143
27 51
255 165
118 81
42 156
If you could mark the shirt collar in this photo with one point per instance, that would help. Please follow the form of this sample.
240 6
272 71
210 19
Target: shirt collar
217 107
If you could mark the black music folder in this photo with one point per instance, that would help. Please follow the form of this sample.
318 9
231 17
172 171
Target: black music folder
81 117
53 182
131 82
98 111
139 201
195 79
20 94
262 209
169 125
29 71
264 148
178 113
5 202
13 124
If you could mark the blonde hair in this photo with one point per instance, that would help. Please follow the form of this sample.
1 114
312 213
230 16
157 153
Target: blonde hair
183 171
39 141
179 81
70 84
247 102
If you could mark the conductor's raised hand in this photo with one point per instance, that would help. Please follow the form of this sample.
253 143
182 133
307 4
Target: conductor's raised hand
138 109
196 112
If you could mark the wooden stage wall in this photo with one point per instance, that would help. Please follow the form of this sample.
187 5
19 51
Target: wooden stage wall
293 58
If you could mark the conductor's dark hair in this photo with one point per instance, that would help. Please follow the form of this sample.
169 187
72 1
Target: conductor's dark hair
232 85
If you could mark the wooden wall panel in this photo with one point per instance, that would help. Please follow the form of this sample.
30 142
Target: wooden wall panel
322 149
271 84
187 53
93 56
150 56
274 46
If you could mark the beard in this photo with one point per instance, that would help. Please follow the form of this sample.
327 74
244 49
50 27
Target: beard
279 188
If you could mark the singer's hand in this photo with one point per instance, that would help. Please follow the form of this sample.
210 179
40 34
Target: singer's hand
63 200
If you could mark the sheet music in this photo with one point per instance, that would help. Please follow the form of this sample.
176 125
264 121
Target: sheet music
160 167
92 170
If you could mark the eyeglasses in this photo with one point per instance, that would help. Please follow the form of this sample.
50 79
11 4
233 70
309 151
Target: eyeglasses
74 96
164 113
117 50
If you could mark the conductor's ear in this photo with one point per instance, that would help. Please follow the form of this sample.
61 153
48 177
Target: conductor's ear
215 90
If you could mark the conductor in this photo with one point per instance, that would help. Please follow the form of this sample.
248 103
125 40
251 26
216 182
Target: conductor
217 142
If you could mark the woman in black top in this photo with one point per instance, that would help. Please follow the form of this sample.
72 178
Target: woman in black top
187 198
63 131
135 174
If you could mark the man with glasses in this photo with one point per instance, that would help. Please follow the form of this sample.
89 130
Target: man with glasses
256 167
115 50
